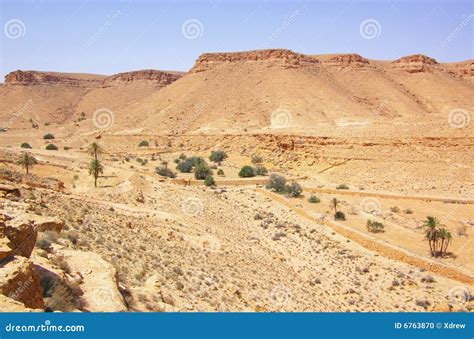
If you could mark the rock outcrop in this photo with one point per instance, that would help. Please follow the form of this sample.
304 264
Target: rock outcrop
32 78
99 281
19 281
43 224
414 63
10 305
21 237
159 78
273 57
347 60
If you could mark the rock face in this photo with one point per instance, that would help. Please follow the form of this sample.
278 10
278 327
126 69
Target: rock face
19 281
347 60
99 281
274 57
414 63
31 78
43 224
157 77
21 237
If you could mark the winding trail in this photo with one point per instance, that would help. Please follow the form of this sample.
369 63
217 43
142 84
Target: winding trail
382 247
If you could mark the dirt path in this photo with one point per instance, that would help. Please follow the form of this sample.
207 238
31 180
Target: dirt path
387 250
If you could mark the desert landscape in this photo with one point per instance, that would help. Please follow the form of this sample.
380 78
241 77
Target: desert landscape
258 181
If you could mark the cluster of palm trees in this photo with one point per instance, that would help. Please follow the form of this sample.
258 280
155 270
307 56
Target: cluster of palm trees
438 237
95 167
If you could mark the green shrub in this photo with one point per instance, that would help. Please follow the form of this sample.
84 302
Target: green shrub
182 156
217 156
143 143
66 148
48 136
177 161
276 183
374 226
342 187
25 145
46 123
220 172
202 169
339 215
185 166
209 181
294 190
51 147
261 170
165 172
314 199
247 172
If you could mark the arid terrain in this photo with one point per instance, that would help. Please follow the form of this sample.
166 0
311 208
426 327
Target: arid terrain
391 142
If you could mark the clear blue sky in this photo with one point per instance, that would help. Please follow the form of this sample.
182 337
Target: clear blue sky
106 37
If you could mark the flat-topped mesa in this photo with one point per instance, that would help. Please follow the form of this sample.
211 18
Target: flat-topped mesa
32 78
160 78
346 60
414 63
283 58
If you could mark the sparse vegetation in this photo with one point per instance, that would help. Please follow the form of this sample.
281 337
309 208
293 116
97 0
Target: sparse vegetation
164 171
209 181
260 170
51 147
394 209
294 190
342 187
438 237
95 168
185 166
257 160
27 161
375 226
217 156
202 169
276 183
247 172
339 215
143 143
314 199
408 211
48 136
25 145
94 149
220 172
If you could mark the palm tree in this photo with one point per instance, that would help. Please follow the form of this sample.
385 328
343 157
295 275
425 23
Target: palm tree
432 234
446 237
95 149
334 203
27 161
95 168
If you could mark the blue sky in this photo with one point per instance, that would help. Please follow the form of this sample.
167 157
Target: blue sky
107 37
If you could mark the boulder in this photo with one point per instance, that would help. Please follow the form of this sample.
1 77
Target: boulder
10 305
19 281
21 237
99 281
43 224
